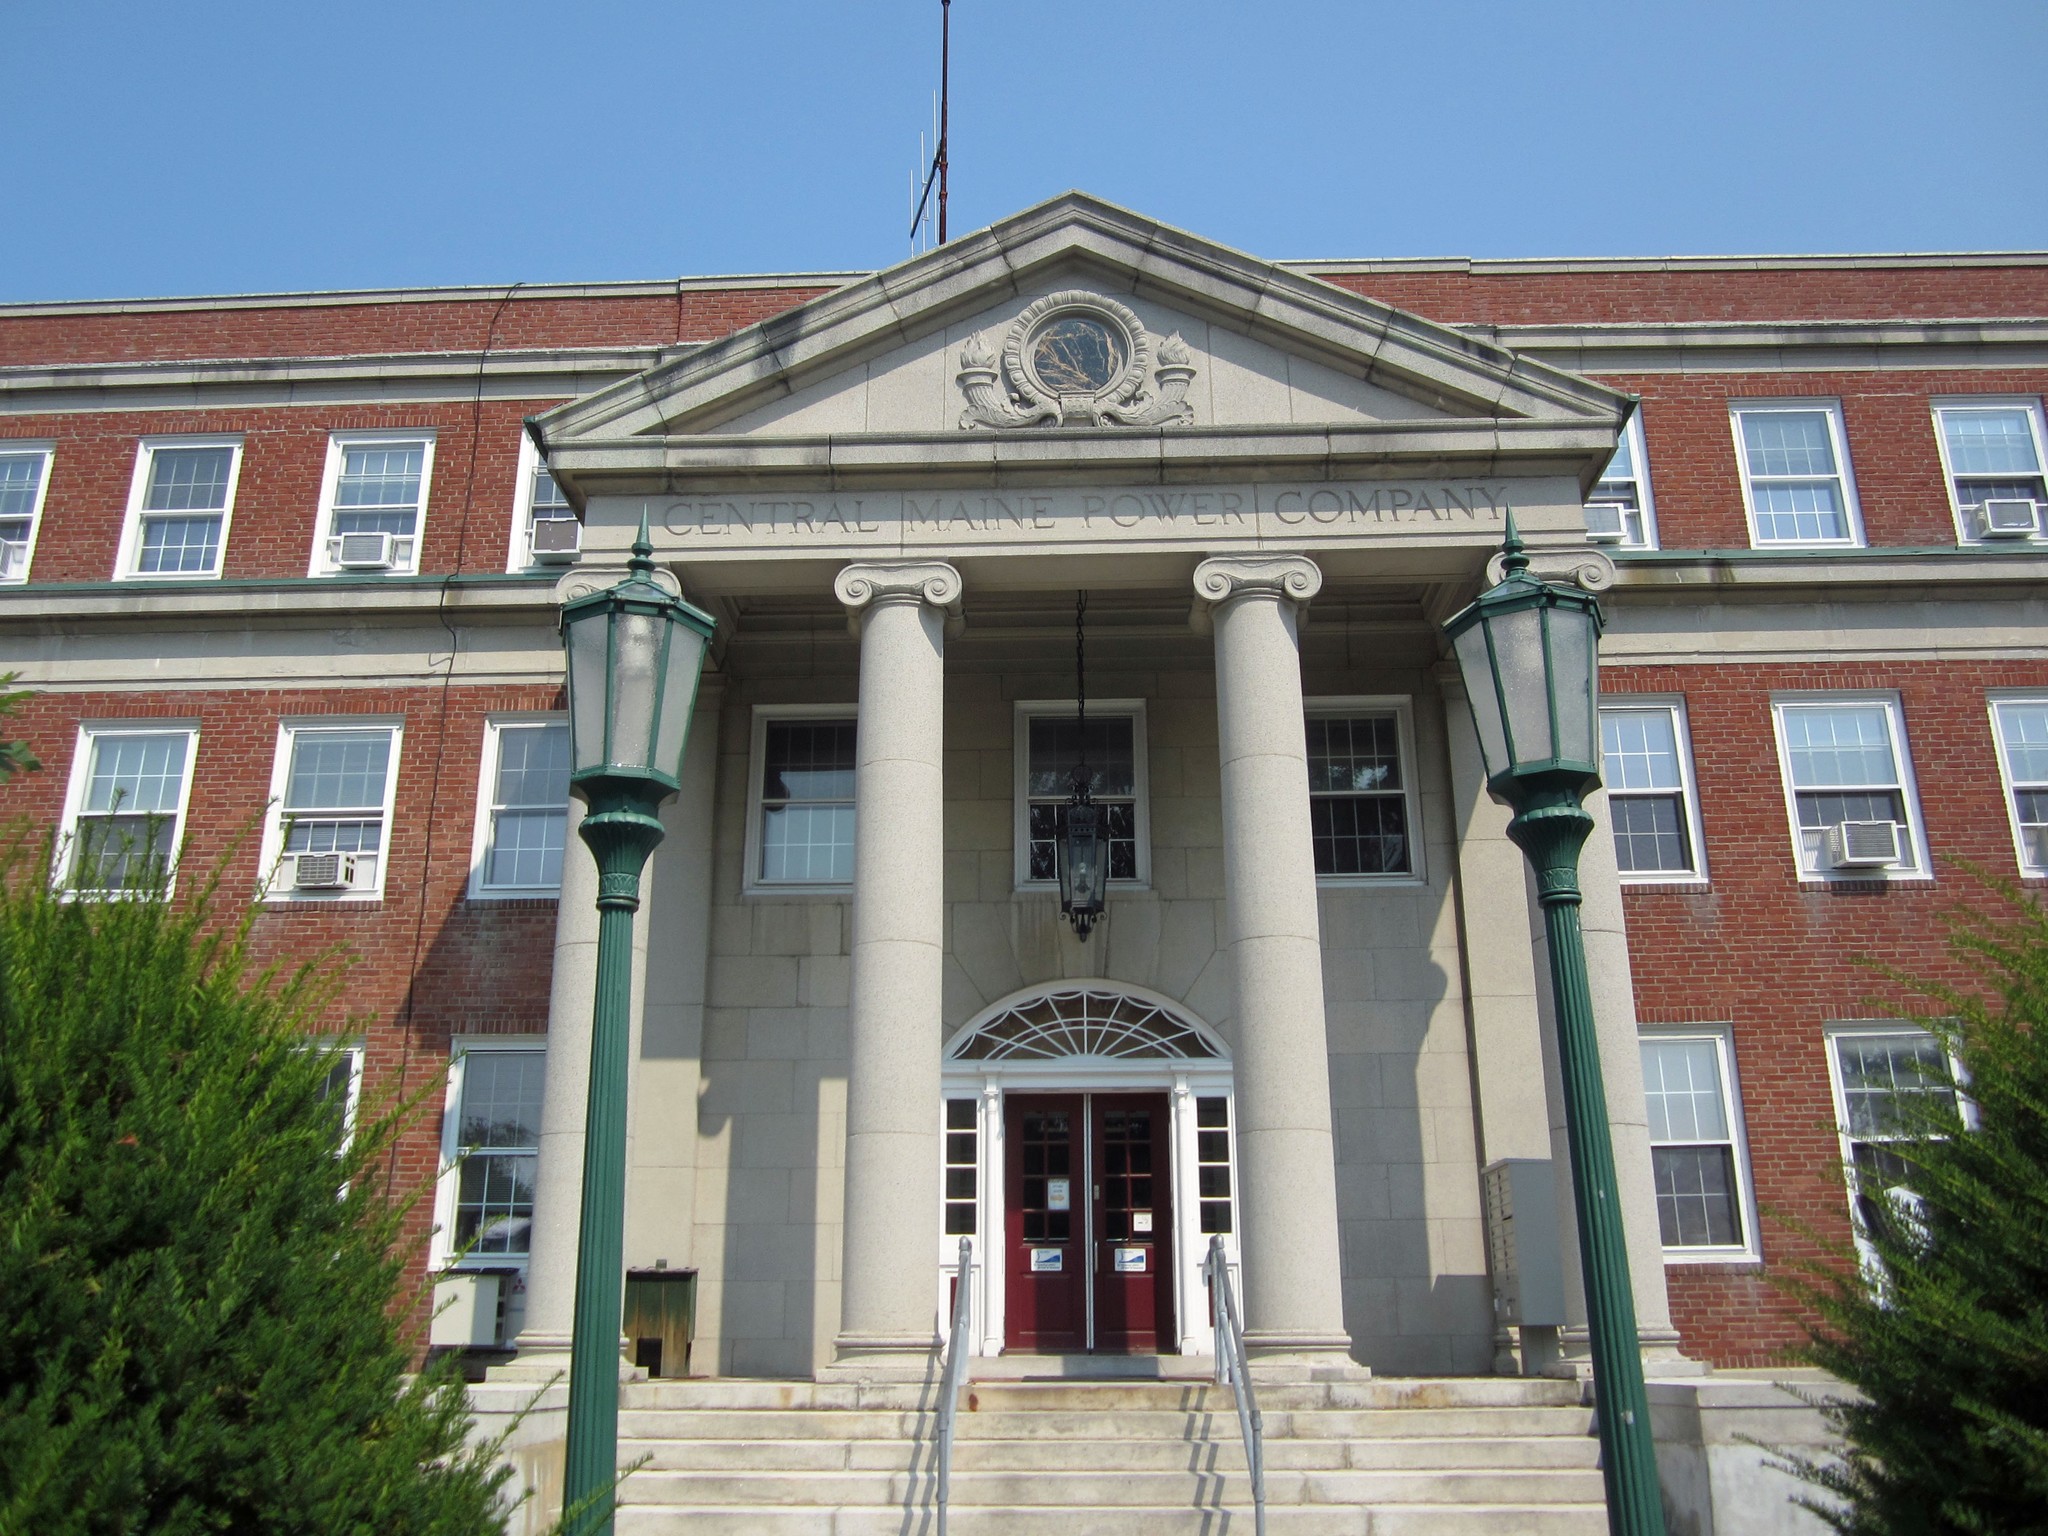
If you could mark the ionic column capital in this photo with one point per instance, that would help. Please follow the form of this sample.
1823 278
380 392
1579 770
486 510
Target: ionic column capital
866 583
1292 579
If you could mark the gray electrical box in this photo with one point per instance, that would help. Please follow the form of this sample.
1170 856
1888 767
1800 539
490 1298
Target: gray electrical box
1521 1241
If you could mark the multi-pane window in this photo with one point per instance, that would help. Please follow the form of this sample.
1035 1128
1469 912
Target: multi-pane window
1649 792
1890 1085
524 819
1054 747
804 802
1619 510
1694 1156
2021 727
127 807
179 517
548 514
333 794
1212 1162
963 1159
377 488
1794 472
341 1091
1360 818
1846 773
24 472
1993 454
496 1145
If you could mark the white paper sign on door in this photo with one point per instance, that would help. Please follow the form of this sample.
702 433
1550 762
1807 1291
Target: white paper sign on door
1130 1261
1141 1221
1058 1195
1047 1259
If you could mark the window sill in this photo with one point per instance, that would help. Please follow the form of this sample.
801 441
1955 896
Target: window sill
290 898
1715 1258
487 897
1052 888
1810 880
795 892
1687 885
1371 883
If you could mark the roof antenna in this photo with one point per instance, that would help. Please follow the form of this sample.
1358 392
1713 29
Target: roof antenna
939 164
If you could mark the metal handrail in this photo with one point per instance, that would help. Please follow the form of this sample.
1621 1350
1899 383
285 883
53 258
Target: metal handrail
956 1373
1232 1371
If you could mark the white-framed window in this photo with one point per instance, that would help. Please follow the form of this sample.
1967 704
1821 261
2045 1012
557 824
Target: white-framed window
800 798
1847 779
373 503
331 792
490 1148
180 501
522 814
1991 453
1363 816
1795 473
1646 762
2019 726
124 810
342 1091
1706 1209
1621 511
24 481
1049 746
545 530
1889 1081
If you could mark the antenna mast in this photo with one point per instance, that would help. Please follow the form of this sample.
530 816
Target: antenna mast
939 162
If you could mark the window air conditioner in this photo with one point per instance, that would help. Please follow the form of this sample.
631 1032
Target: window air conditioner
465 1311
363 551
324 872
1606 522
1863 844
557 539
2011 518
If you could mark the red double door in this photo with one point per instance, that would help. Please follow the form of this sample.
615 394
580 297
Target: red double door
1088 1243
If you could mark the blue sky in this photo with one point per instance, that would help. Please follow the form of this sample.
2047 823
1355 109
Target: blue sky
220 147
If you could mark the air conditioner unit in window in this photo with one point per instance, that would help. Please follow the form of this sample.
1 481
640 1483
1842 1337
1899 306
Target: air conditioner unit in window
1606 522
324 872
364 551
2011 518
466 1311
1863 844
557 539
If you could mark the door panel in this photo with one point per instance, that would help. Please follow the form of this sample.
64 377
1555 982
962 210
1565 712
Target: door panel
1046 1272
1133 1224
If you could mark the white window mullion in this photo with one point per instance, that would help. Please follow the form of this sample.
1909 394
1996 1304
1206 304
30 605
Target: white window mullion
522 807
125 806
1047 750
2019 727
332 792
24 483
1706 1208
1992 457
180 501
1844 761
1652 805
373 503
1796 482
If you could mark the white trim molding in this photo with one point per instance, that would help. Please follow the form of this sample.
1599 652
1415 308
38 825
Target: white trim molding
1971 527
483 840
17 555
1023 712
405 548
279 881
1670 707
1842 476
2019 723
1734 1136
752 882
84 756
134 523
1400 708
1808 844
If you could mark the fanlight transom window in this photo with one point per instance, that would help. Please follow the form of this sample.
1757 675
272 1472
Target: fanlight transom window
1083 1021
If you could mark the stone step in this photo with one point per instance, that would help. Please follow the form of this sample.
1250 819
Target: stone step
705 1423
1079 1489
1125 1520
1196 1454
1106 1396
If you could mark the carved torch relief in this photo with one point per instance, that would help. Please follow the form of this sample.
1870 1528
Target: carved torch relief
1076 357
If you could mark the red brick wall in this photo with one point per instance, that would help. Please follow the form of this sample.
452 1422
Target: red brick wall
1779 960
482 966
430 325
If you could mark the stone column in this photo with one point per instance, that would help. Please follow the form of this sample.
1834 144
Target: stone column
1293 1283
889 1272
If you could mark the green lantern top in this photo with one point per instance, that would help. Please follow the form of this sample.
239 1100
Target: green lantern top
635 654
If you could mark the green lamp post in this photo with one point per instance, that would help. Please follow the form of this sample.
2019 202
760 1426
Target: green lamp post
635 654
1529 652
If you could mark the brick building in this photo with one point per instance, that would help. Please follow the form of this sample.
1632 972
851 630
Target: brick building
283 573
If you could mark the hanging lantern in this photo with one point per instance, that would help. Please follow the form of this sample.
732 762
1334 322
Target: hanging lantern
1078 843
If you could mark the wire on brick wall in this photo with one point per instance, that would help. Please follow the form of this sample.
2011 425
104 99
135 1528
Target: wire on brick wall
419 927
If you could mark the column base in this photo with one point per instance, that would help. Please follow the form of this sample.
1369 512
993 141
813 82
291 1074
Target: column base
1279 1356
1662 1358
544 1357
860 1357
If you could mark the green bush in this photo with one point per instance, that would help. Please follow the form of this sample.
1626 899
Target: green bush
199 1285
1942 1328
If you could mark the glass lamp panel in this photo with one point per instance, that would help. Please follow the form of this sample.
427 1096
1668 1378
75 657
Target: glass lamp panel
1477 668
589 642
636 683
678 696
1081 858
1518 647
1574 662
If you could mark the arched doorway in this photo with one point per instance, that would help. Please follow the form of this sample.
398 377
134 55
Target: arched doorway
1090 1158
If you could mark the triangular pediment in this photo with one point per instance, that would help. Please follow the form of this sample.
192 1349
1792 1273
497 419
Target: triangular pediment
1078 316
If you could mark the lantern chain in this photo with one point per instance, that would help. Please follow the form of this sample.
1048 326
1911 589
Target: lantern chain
1081 773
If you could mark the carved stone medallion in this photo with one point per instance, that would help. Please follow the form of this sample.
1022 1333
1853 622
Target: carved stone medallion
1076 357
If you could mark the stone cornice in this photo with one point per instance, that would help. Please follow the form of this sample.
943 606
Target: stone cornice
1772 346
316 601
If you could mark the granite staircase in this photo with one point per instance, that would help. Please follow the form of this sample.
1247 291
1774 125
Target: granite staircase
1388 1457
